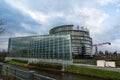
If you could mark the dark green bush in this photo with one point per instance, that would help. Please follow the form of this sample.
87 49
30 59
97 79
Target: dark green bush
21 61
117 63
2 59
85 61
48 65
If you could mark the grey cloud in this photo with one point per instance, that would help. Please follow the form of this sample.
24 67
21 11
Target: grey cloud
42 15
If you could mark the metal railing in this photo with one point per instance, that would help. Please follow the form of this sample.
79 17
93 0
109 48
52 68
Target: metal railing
37 77
85 61
19 74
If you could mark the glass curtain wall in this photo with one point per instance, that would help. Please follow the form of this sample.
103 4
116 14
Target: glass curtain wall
42 47
81 41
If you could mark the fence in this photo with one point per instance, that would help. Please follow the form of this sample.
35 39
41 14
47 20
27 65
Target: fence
85 61
38 77
19 74
93 61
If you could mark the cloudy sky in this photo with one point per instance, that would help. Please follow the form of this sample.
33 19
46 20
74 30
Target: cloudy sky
37 17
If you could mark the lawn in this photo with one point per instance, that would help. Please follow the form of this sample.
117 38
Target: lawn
94 72
17 63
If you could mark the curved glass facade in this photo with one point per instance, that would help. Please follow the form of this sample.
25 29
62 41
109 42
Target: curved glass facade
61 29
81 41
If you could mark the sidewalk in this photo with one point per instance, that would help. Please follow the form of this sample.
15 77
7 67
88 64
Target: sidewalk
95 67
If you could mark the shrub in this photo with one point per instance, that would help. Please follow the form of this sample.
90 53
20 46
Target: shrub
48 65
21 61
117 63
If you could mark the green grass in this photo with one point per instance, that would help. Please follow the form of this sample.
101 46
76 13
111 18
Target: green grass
17 63
94 72
39 64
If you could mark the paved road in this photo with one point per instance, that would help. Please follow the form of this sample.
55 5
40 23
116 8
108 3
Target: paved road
95 67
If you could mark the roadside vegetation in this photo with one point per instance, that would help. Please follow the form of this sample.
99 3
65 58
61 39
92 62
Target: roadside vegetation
3 54
70 69
94 72
22 63
47 65
117 63
85 61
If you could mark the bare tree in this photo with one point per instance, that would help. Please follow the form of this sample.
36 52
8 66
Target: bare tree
2 26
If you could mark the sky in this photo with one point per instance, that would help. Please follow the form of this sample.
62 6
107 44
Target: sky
37 17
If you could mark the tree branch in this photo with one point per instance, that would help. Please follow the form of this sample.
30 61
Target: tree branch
2 27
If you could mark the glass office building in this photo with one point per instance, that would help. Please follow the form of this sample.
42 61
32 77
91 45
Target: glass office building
41 47
80 39
63 43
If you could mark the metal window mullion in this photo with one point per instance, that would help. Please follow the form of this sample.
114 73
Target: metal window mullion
63 49
70 47
48 48
53 48
42 48
45 48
